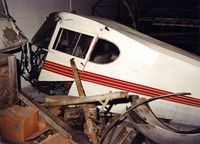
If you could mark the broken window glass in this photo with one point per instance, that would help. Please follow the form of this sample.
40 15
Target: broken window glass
43 36
104 52
72 43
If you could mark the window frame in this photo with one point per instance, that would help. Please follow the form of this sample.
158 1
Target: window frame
80 35
94 46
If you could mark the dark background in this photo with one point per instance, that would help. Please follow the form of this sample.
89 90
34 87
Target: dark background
176 22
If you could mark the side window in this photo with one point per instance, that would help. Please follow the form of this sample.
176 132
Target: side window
72 43
104 52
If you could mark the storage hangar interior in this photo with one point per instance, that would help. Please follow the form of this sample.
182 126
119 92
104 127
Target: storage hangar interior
24 119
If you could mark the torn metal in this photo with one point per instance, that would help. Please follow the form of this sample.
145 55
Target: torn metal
138 119
150 126
118 129
11 37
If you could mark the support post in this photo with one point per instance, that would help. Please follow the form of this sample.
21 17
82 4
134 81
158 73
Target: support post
86 110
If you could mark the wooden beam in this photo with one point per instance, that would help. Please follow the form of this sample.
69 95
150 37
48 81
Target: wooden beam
90 127
72 100
52 120
12 78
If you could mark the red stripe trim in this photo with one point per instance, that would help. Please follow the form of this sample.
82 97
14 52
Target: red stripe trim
119 84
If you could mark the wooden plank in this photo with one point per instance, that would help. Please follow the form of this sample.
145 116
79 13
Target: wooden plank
72 100
12 78
52 120
90 127
4 59
8 79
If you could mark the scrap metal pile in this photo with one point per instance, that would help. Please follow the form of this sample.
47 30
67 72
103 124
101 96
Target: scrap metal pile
71 120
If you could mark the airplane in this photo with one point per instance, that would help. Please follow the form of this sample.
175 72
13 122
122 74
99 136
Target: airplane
111 57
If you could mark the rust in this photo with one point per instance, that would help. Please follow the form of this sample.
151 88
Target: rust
122 136
89 124
56 139
38 133
17 123
135 105
71 100
51 119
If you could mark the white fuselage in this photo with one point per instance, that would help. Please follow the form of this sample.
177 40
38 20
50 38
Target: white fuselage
144 66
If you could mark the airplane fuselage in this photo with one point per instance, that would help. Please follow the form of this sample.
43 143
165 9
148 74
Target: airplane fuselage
112 57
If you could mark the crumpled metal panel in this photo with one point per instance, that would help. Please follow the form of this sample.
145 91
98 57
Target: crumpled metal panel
151 127
10 37
43 36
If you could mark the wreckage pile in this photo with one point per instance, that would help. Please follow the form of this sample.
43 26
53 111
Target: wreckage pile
71 120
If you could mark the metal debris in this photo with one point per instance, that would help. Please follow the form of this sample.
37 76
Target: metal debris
124 115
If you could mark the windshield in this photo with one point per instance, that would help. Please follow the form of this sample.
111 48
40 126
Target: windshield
72 43
44 34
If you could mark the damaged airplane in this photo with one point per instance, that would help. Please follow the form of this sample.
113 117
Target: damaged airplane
111 57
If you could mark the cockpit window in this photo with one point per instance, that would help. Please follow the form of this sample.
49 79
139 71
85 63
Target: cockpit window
72 43
104 52
43 36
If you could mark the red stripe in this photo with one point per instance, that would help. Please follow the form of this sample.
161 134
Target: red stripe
119 84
